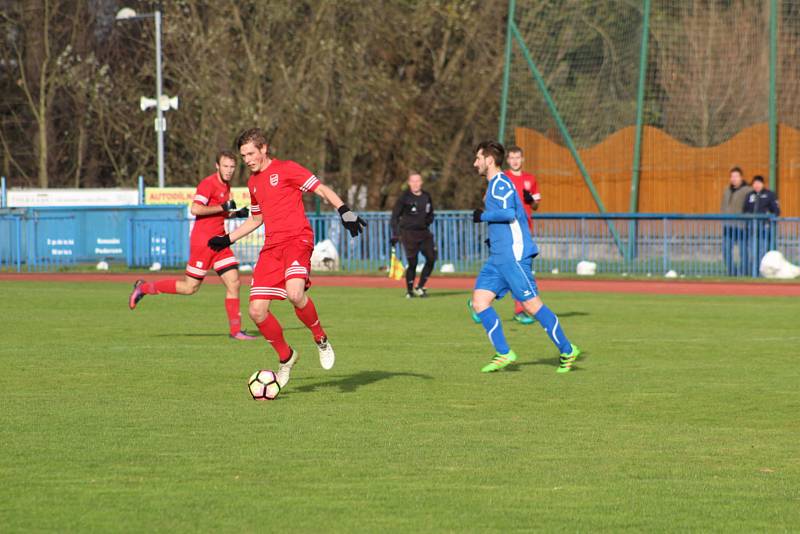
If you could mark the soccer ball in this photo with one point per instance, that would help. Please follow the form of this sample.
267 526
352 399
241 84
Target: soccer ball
263 385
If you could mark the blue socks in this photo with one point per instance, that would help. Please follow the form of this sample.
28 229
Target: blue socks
491 323
550 323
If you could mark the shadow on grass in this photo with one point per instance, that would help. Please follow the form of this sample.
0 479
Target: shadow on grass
434 293
350 383
573 314
547 362
252 332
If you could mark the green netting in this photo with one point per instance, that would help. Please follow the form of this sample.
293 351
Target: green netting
788 86
588 54
707 68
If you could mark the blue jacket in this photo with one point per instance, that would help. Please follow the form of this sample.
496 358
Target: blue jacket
509 237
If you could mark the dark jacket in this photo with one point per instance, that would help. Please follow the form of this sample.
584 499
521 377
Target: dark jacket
763 202
412 212
733 200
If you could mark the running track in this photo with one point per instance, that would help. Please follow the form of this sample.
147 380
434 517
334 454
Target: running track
655 287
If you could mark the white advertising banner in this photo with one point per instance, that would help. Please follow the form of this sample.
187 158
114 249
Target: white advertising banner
25 198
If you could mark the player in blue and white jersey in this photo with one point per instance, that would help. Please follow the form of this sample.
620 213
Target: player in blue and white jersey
509 268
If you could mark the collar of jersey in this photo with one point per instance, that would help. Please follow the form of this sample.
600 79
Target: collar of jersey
501 173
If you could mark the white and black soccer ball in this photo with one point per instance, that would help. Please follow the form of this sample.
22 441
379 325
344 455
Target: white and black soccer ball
263 385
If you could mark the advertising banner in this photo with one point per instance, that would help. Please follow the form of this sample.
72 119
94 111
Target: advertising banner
185 195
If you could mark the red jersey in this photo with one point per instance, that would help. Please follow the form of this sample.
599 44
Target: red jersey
276 193
525 182
211 191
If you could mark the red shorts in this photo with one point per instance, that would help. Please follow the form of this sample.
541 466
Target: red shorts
278 264
202 258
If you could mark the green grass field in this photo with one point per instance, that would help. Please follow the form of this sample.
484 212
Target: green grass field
684 415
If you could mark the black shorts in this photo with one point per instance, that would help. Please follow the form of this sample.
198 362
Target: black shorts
416 241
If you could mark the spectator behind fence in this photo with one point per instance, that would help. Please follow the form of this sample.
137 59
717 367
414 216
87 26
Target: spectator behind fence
734 233
762 201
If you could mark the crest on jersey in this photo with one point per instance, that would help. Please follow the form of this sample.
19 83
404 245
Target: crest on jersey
527 184
273 180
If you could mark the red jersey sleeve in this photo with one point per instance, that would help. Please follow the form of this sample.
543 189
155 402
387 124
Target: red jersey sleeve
203 193
302 178
255 209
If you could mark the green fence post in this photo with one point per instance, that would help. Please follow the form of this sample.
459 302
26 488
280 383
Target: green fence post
637 144
564 132
501 135
773 101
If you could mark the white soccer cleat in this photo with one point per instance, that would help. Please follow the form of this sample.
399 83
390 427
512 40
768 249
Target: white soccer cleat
326 354
285 369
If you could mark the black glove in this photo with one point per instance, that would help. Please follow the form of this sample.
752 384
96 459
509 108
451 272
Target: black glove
220 242
393 240
241 214
230 205
351 221
488 243
527 196
476 215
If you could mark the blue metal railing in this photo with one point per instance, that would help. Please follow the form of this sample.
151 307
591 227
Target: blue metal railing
158 241
691 245
36 243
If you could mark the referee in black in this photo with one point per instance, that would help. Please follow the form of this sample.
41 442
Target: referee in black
411 217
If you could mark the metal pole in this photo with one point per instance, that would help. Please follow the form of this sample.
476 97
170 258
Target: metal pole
3 202
159 113
141 190
637 145
501 135
773 104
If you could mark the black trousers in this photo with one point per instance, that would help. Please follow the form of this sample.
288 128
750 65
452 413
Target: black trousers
414 242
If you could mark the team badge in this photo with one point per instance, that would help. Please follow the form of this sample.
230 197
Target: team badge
273 180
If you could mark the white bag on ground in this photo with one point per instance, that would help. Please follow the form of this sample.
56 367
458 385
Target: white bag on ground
774 265
586 268
325 256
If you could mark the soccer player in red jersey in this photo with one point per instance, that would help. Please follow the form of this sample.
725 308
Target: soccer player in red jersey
211 206
282 272
528 191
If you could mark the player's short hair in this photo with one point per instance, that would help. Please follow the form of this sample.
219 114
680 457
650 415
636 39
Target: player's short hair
514 149
225 153
758 178
412 172
252 135
737 169
493 149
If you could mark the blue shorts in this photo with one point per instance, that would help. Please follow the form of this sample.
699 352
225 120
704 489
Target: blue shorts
515 277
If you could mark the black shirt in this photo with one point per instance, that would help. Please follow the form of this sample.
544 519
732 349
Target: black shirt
412 212
763 202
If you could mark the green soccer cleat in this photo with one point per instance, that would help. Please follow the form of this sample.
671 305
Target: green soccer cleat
474 315
499 361
523 318
566 360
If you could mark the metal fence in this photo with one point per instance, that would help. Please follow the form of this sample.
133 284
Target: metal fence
36 243
641 244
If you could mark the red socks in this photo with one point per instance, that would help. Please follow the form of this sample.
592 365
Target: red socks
162 286
271 329
518 307
308 316
234 315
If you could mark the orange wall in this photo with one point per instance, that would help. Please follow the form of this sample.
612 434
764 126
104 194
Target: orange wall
674 178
